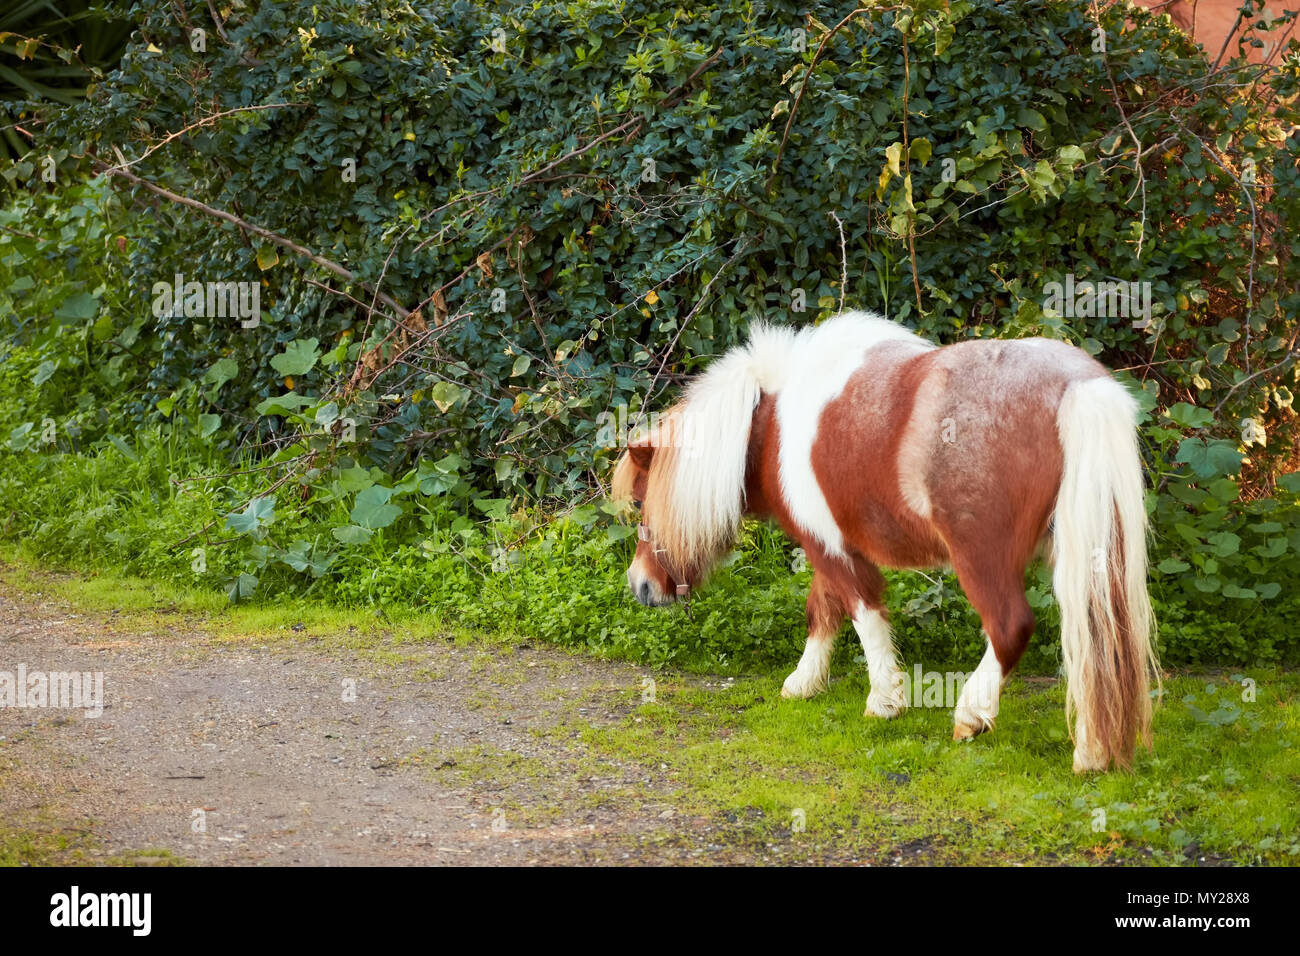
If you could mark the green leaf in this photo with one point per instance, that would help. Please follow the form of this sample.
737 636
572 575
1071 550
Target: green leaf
352 534
127 451
519 368
372 509
241 588
1172 566
283 404
44 371
920 150
222 371
1070 156
494 508
1224 490
20 437
298 358
208 424
1212 459
1189 416
267 256
1031 118
445 395
79 307
1224 543
253 519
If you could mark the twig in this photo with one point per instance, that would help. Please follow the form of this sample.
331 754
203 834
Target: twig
794 107
203 122
704 295
844 259
1290 357
246 226
1137 143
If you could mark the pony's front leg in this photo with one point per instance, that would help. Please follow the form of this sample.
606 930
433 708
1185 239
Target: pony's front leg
886 698
825 615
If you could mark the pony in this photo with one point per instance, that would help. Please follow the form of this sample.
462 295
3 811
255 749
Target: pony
871 446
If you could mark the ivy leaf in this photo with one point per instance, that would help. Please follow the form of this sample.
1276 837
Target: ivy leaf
208 424
298 358
372 509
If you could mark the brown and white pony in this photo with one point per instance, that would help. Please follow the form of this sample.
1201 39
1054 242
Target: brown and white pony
871 446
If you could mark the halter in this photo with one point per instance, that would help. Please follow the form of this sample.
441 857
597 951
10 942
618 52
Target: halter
683 590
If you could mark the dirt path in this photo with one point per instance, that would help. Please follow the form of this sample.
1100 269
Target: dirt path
247 752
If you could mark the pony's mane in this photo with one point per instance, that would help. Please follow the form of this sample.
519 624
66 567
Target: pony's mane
695 495
696 492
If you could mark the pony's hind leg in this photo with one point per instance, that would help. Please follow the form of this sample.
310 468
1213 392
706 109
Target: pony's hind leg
886 698
825 615
1008 624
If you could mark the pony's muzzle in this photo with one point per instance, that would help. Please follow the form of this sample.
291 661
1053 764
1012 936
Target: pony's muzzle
646 590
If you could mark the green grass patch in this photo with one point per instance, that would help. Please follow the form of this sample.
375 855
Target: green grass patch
1219 786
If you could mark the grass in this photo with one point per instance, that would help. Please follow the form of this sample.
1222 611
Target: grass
1214 788
818 780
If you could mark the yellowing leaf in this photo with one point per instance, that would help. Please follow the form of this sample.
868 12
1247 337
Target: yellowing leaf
652 297
894 153
267 256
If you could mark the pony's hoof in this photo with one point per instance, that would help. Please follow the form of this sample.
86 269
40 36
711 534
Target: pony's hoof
885 705
798 688
1088 763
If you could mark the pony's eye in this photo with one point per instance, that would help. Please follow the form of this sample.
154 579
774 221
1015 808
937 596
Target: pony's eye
636 502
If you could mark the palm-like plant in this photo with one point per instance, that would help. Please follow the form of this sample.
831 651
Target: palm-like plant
50 51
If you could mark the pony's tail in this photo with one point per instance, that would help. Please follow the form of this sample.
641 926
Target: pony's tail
1100 576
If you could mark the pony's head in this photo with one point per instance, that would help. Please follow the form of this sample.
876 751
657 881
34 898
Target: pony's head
690 503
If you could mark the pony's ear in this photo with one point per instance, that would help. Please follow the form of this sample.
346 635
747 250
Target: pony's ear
642 454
